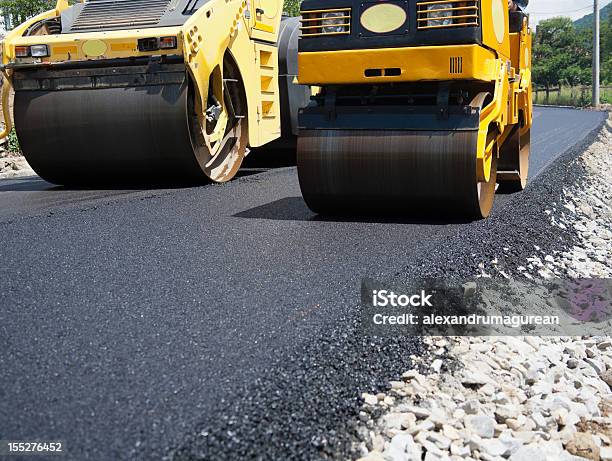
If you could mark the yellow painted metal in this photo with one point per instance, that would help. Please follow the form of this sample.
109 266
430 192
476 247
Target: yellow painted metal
494 115
61 5
6 112
228 29
524 75
9 42
246 29
383 18
264 27
94 48
268 111
512 98
423 63
71 50
119 44
265 18
495 25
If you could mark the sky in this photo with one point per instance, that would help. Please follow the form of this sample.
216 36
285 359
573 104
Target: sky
544 9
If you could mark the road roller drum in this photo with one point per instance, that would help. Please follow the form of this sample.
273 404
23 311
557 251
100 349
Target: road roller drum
71 134
405 172
369 151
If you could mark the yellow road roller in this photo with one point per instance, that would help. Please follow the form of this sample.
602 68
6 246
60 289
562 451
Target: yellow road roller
139 90
423 105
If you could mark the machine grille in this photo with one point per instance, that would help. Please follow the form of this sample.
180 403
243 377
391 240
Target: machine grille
337 21
456 65
119 14
447 13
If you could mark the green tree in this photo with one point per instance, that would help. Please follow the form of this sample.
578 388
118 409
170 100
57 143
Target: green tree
20 10
606 50
561 54
292 7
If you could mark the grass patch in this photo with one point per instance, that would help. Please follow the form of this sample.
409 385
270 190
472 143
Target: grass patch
13 143
577 96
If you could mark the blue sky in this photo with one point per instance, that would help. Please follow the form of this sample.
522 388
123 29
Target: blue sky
544 9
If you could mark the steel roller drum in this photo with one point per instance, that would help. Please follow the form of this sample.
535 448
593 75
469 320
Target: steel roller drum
105 135
399 171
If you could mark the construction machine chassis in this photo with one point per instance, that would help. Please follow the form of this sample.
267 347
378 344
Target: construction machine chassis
420 116
151 90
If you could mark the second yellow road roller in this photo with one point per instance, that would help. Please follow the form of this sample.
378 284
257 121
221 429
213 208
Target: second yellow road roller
423 105
133 90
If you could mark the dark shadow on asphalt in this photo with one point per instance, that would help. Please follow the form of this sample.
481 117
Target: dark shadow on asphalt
270 158
295 209
507 189
25 184
37 184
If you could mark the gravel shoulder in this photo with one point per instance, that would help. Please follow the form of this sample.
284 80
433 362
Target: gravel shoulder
513 398
505 398
502 245
579 214
13 165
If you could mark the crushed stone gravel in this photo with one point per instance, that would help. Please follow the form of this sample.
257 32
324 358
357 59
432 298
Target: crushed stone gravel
513 398
507 398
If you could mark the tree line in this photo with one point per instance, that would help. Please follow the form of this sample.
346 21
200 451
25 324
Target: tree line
17 11
563 53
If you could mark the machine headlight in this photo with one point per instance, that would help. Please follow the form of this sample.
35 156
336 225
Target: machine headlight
438 16
39 51
167 43
154 43
22 51
333 22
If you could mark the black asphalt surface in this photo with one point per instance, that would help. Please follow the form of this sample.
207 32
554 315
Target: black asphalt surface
213 322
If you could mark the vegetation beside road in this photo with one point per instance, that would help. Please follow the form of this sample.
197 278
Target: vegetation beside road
20 10
563 59
577 96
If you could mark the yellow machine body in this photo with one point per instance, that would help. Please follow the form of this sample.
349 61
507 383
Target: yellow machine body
246 31
492 53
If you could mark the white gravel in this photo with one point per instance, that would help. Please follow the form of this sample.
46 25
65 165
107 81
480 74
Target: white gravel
13 165
588 209
513 398
518 399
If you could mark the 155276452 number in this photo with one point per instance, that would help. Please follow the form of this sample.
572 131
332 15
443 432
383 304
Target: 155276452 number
31 447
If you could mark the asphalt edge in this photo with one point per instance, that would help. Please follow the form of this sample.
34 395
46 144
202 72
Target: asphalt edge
521 218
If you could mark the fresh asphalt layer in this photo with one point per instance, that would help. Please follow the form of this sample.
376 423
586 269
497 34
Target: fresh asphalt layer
213 322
